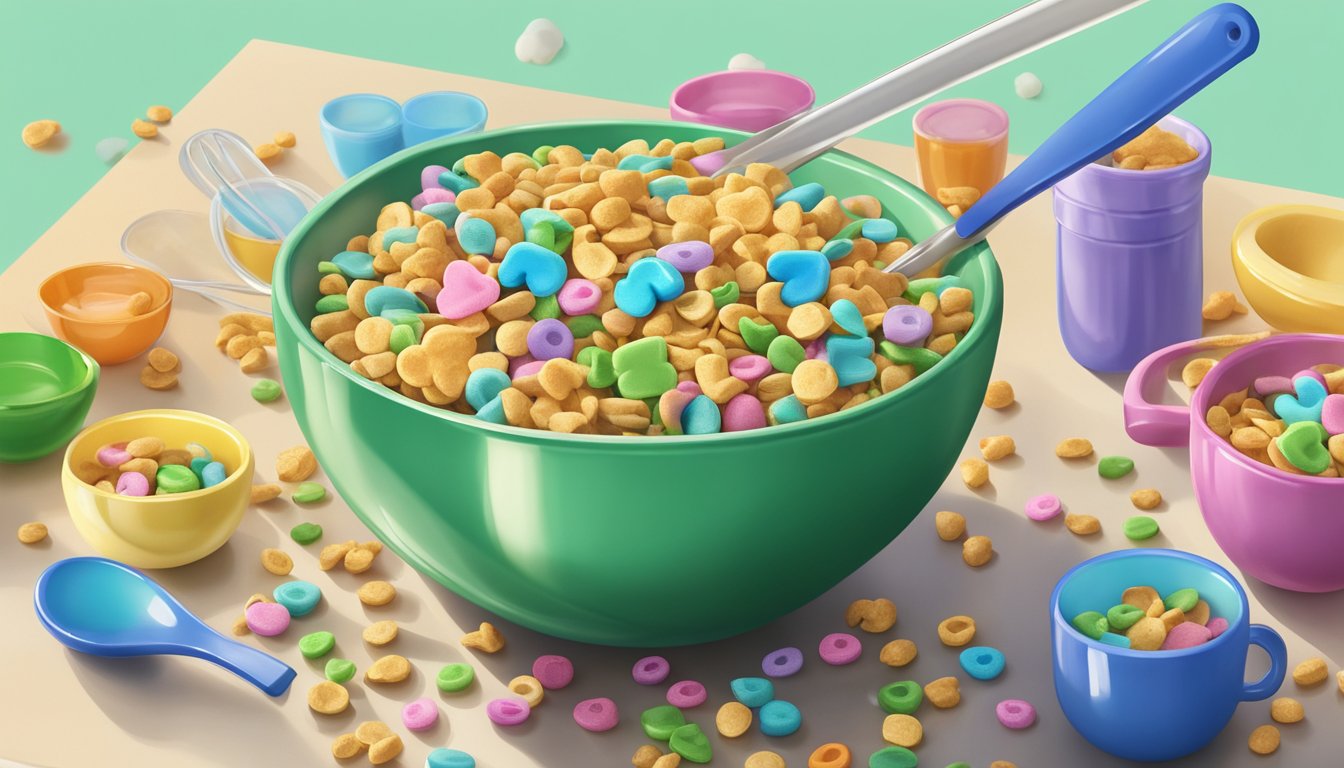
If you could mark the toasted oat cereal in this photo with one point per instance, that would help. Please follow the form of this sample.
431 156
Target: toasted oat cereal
1154 149
871 615
943 693
144 129
385 750
961 197
487 639
1264 740
39 132
1310 672
334 554
32 533
328 698
157 380
977 551
389 669
1082 525
902 730
950 525
346 746
974 473
359 559
371 732
1074 448
1222 305
898 653
997 447
646 755
764 759
265 492
267 151
956 631
1286 709
296 464
159 113
376 593
276 562
1146 498
380 632
240 627
284 139
670 760
999 395
1195 371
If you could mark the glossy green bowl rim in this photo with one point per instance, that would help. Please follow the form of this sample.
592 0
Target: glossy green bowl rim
91 369
283 306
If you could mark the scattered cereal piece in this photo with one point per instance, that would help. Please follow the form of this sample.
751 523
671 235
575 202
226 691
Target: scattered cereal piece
295 464
1140 527
1115 467
527 688
334 554
1286 709
974 473
943 693
32 533
37 133
284 139
871 615
266 391
1154 149
371 732
240 627
733 719
1222 305
1146 498
380 632
1195 371
1027 85
385 750
164 361
144 129
359 559
309 493
111 149
956 631
764 759
339 670
977 550
265 492
1310 672
1015 714
997 447
419 715
1082 525
159 113
833 755
267 151
486 639
540 42
898 653
839 649
276 562
328 698
645 756
376 593
455 677
745 61
1045 506
389 669
1074 448
1264 740
950 525
959 197
346 746
305 533
315 645
156 380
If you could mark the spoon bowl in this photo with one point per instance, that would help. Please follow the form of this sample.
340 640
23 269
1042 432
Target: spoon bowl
105 608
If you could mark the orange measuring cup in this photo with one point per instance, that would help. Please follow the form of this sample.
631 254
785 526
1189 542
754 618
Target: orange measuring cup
961 143
89 306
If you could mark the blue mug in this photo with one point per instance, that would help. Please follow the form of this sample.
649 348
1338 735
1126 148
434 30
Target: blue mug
1155 705
359 129
437 114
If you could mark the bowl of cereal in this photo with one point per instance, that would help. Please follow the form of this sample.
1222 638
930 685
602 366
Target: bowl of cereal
157 488
679 458
1265 428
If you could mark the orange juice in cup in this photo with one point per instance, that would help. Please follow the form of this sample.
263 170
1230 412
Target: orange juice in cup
961 143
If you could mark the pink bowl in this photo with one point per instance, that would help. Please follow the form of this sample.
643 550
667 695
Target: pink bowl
1283 529
746 99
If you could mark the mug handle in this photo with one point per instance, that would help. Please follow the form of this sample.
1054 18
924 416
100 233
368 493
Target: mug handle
1266 686
1150 423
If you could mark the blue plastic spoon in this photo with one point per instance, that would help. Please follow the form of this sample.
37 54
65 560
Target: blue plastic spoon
105 608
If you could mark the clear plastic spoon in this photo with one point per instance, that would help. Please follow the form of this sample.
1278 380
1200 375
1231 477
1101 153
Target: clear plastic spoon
101 607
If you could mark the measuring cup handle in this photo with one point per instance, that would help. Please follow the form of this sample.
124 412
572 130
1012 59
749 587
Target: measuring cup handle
1146 421
1268 685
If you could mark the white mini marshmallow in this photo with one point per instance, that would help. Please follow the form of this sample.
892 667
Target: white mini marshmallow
745 61
1027 85
539 43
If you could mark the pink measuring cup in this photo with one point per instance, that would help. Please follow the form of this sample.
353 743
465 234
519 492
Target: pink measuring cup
1283 529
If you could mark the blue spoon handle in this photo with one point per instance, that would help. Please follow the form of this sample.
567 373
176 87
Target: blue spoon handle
1212 43
260 669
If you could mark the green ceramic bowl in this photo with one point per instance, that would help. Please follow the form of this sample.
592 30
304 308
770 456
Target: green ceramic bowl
46 389
624 540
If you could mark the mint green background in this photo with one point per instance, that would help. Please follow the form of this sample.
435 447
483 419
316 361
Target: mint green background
94 65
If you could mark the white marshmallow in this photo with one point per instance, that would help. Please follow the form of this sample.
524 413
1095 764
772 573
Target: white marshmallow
539 43
1027 85
745 61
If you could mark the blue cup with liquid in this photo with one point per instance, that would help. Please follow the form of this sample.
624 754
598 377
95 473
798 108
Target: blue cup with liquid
359 129
1155 705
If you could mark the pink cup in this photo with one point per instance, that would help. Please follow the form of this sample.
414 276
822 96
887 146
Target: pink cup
745 99
1282 529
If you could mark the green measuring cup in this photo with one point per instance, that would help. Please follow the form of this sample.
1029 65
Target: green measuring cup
46 388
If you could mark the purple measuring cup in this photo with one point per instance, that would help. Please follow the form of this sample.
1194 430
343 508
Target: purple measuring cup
1130 257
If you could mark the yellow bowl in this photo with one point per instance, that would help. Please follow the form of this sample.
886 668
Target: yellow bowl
1289 261
159 531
